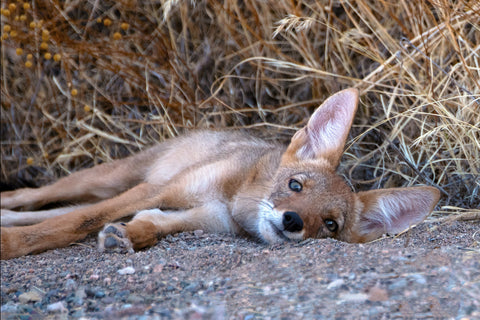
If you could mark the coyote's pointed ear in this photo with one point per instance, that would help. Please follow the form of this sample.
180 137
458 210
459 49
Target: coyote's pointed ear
326 132
392 211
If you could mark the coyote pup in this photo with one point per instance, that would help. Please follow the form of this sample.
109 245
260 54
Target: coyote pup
218 182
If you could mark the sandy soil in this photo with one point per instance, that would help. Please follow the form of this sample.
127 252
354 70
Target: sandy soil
431 272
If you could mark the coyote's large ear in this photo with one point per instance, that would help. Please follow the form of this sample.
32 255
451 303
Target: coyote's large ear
392 211
326 132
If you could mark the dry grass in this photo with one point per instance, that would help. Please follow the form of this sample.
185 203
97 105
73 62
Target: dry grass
130 73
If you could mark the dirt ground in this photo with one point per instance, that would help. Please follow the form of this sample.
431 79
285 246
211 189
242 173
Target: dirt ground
431 272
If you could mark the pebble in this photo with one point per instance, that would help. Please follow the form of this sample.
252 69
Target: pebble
30 296
377 294
335 284
398 284
57 307
352 297
94 292
162 311
418 278
158 268
127 270
9 307
70 285
79 296
108 300
122 294
135 299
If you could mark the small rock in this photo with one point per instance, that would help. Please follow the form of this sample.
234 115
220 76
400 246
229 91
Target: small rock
24 308
158 268
134 299
122 295
127 270
70 285
418 278
79 313
353 297
79 296
198 233
194 287
108 300
377 294
57 307
162 311
9 307
30 296
335 284
94 292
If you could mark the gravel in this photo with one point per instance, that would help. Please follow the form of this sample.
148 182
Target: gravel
430 272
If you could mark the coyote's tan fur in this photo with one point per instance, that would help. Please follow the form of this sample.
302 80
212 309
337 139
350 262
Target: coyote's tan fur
218 182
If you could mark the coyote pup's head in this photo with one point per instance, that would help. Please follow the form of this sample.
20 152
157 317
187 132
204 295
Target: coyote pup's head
309 200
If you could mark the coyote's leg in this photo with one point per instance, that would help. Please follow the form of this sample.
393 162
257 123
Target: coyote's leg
62 230
150 225
90 185
11 218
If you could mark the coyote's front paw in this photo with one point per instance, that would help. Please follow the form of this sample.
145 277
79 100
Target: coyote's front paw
114 238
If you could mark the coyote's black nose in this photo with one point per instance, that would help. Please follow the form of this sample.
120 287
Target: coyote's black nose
292 221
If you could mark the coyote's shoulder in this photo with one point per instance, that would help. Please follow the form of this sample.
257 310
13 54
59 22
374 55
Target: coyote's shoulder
233 150
218 181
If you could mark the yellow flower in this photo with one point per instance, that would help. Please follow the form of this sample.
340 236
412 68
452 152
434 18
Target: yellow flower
45 35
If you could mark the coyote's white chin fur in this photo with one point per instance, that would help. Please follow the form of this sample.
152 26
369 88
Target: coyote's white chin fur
270 225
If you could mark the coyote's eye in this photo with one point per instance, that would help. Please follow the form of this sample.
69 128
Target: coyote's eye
294 185
331 225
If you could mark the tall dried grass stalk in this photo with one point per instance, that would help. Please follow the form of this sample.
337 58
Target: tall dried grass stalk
124 74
